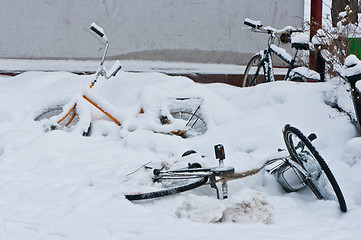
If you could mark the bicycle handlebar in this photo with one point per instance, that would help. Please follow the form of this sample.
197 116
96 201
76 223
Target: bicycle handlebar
257 25
103 38
252 23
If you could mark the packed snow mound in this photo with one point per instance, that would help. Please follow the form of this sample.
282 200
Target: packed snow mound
254 208
201 209
61 185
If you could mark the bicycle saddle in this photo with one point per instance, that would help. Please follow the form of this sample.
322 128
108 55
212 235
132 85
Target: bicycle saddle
300 46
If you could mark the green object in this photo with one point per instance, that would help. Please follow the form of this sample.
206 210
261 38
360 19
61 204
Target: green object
355 46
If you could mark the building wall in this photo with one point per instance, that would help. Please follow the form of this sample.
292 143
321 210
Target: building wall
170 30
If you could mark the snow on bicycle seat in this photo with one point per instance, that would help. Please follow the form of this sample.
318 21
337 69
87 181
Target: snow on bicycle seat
300 41
306 74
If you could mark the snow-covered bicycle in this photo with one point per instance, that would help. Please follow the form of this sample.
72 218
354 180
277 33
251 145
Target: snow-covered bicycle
260 67
182 120
295 168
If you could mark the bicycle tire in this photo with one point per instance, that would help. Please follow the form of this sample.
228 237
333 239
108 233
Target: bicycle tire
249 75
196 182
71 120
195 125
324 185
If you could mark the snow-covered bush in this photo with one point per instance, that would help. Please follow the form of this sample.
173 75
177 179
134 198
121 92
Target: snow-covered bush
333 42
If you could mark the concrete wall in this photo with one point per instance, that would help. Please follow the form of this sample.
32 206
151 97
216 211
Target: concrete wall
171 30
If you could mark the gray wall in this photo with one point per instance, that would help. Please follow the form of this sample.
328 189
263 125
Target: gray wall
171 30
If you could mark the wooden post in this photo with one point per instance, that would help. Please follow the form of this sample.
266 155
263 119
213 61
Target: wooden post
316 23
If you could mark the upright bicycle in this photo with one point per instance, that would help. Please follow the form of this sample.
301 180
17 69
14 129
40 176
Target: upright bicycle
296 168
76 113
260 67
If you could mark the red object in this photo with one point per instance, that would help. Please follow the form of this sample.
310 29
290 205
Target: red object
316 23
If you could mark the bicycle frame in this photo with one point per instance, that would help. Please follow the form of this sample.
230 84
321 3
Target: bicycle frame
100 72
295 168
69 116
266 60
224 174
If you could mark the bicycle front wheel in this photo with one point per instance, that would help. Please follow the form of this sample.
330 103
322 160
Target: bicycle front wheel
169 185
321 180
194 124
255 72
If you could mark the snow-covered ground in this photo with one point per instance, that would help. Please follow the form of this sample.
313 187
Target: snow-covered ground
61 185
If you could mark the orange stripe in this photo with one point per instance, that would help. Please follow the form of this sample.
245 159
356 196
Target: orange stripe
66 115
71 119
178 133
102 110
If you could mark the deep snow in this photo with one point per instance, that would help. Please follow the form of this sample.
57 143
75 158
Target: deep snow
61 185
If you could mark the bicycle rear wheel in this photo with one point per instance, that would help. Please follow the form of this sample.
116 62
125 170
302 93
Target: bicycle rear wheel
194 124
70 120
67 122
169 185
321 180
254 73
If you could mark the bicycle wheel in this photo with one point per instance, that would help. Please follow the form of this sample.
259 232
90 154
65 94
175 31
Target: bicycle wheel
321 180
254 74
194 124
70 120
170 185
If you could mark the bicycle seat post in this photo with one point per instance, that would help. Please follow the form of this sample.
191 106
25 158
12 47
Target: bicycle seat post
224 188
222 171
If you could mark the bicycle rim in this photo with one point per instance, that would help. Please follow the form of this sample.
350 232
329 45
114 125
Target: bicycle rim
194 124
168 186
254 74
69 121
321 181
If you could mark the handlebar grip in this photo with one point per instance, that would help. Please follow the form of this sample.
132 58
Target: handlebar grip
97 30
116 67
252 23
295 31
249 24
